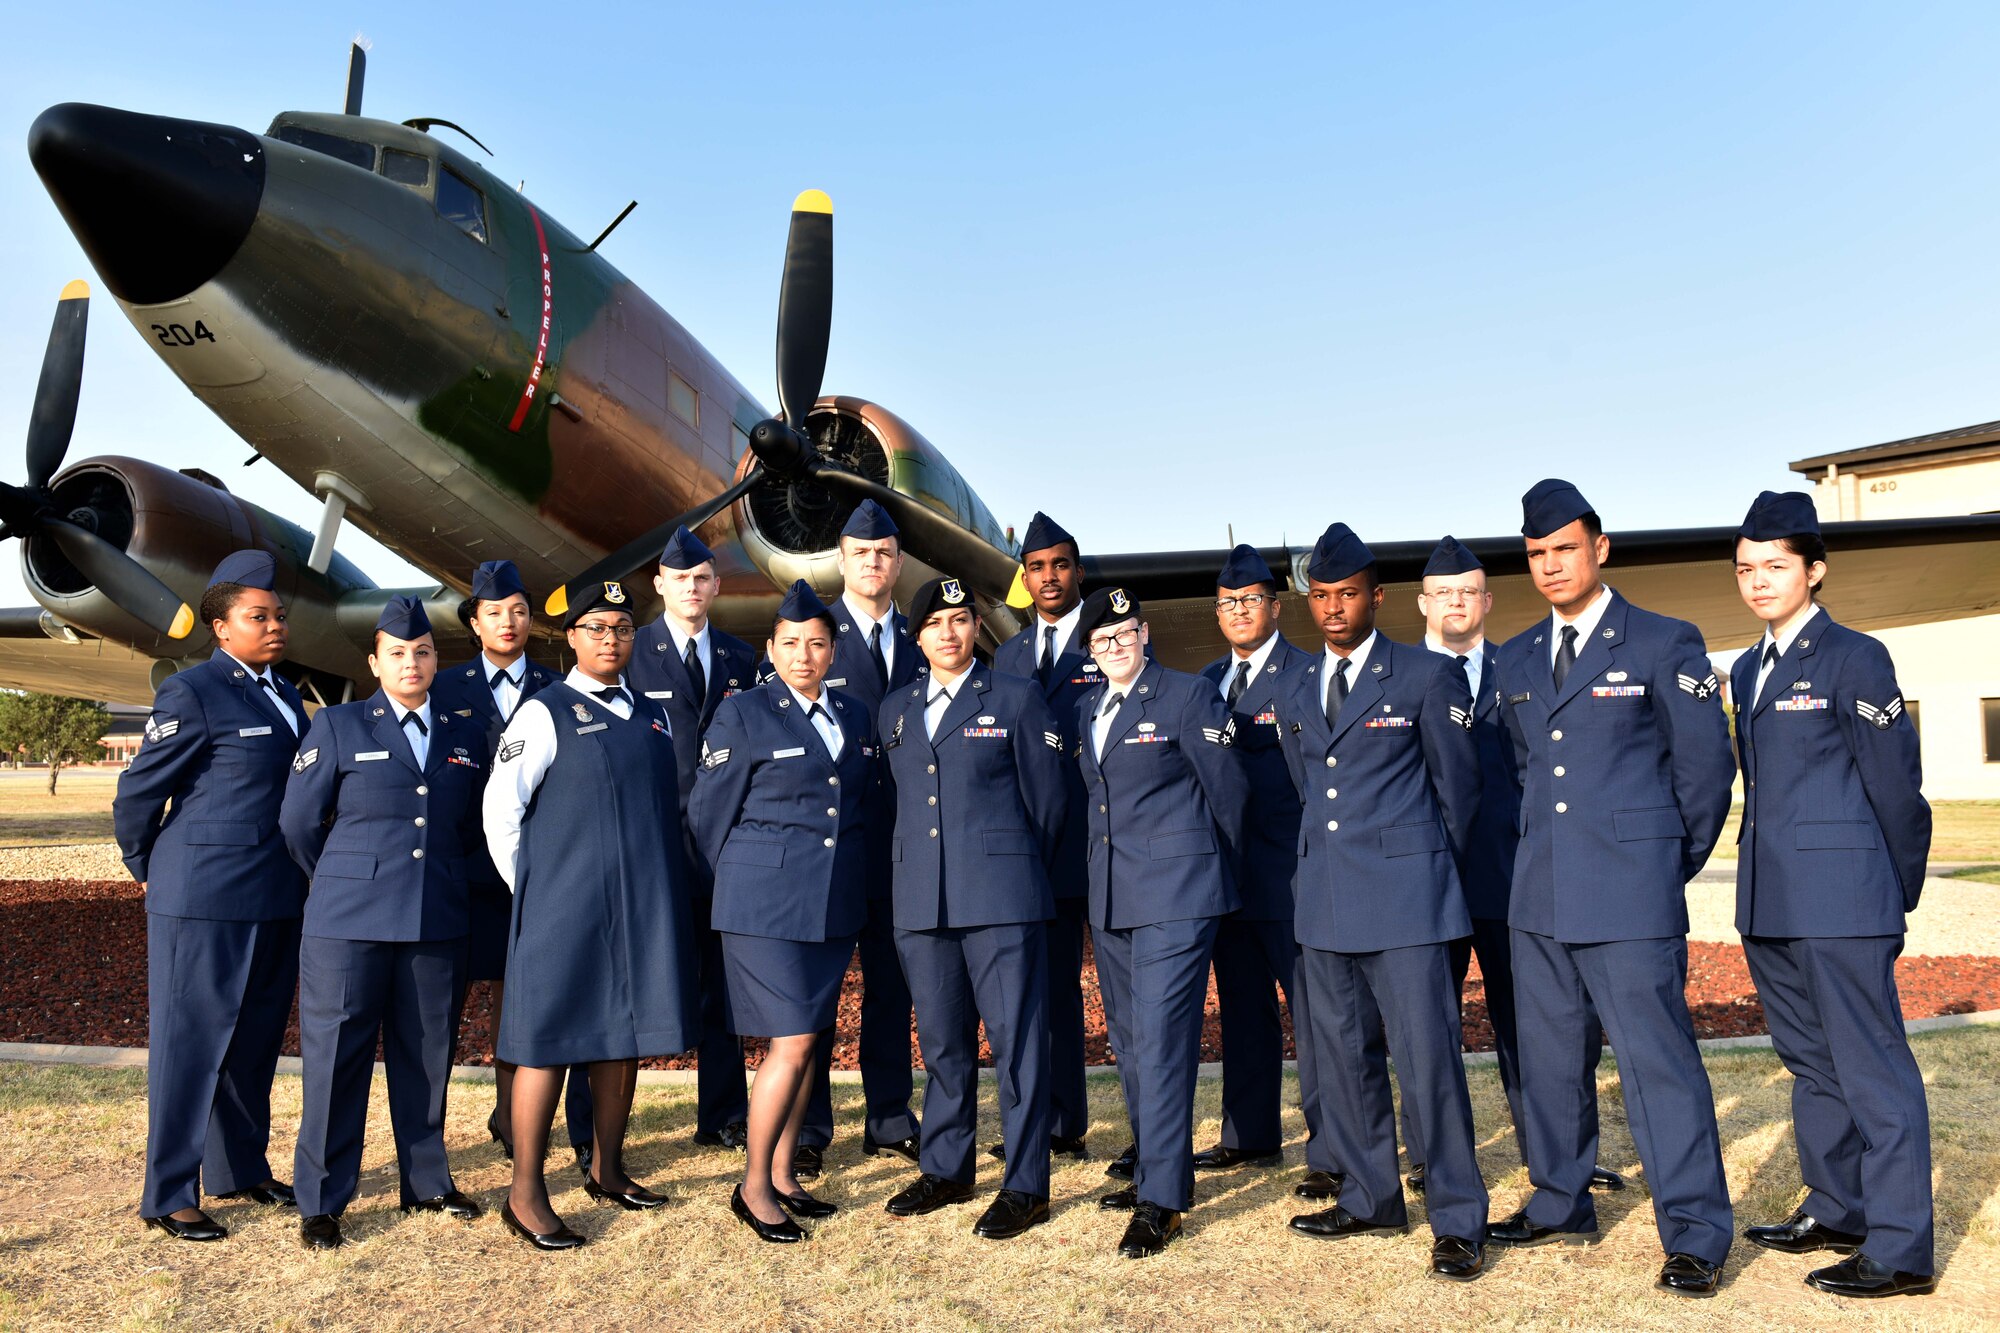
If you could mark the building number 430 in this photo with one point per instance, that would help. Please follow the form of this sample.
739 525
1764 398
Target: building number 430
177 335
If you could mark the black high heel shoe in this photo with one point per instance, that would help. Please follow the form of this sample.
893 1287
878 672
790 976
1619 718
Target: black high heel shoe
493 1130
805 1205
638 1199
562 1238
786 1232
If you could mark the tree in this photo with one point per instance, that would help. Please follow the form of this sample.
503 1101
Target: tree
53 729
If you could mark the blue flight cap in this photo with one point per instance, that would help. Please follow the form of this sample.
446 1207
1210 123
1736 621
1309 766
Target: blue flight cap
940 595
1551 506
497 580
1044 532
1451 556
1245 568
403 618
870 522
685 550
802 603
607 596
246 569
1106 606
1777 514
1338 555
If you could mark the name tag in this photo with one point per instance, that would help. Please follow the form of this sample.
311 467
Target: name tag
1617 691
1799 704
792 753
659 694
371 754
841 681
595 726
254 731
1520 698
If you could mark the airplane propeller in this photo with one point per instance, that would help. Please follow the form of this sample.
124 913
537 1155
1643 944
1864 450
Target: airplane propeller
785 453
31 511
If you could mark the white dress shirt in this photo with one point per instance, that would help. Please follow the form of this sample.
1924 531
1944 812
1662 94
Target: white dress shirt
1359 659
1258 657
701 642
822 719
942 691
1475 661
1100 726
284 709
1065 628
1586 624
1784 642
507 694
420 741
515 780
864 625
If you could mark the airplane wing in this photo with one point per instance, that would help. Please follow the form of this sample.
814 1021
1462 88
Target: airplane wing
30 659
1884 574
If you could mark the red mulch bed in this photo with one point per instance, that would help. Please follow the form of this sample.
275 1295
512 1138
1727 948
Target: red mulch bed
73 972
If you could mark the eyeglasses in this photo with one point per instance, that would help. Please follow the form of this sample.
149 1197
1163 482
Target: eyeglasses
1124 638
595 633
1249 601
1452 596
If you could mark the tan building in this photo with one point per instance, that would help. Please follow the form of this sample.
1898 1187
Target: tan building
1949 671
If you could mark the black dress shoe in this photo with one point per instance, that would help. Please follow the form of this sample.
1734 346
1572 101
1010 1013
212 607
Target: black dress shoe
805 1205
908 1147
1457 1259
1059 1146
493 1132
583 1156
1119 1201
1802 1234
277 1194
1686 1275
786 1232
321 1231
734 1135
638 1199
1516 1229
1010 1214
203 1227
1861 1276
808 1160
1221 1157
1151 1229
1604 1179
1416 1179
562 1238
1126 1164
927 1194
1337 1222
451 1202
1320 1185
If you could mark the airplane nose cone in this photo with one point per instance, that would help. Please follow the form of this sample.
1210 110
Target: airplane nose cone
159 204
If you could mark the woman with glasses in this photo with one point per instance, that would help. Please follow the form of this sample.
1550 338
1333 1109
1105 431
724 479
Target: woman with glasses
788 783
583 822
1834 837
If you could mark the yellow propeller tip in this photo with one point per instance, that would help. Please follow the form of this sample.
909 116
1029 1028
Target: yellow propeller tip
184 618
558 602
1017 592
79 290
812 201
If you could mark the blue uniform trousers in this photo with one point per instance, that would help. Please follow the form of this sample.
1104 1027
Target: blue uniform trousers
886 1080
1069 1093
721 1096
1154 981
960 977
219 994
350 993
1407 994
1638 987
1858 1108
1252 960
1493 942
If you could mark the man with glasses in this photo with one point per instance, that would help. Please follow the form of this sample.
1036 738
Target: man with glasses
1256 949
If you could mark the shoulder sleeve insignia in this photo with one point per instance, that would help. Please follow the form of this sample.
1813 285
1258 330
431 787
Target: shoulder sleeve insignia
1885 716
306 759
1462 716
512 750
1700 689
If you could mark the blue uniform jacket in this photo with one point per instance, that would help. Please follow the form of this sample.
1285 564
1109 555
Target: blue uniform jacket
1075 674
658 673
462 691
979 809
1625 777
1389 796
1487 870
1166 804
1835 827
196 816
1271 829
385 843
779 825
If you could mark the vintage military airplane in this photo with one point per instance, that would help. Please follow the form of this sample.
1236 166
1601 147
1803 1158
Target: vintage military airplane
451 369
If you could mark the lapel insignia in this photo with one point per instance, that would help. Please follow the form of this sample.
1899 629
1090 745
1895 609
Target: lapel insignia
1271 670
1611 634
844 627
238 673
784 703
660 647
582 712
1805 643
1376 668
378 712
1538 638
472 673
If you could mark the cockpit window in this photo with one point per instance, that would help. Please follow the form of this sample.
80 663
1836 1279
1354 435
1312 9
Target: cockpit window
351 151
411 169
461 204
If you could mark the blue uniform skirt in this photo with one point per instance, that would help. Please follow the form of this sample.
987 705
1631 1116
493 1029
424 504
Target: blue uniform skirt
783 988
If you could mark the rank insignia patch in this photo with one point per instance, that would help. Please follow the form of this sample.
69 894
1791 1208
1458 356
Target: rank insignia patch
512 750
1883 717
1700 689
306 759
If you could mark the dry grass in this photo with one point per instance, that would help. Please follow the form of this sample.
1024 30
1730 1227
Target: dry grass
80 810
1961 831
72 1254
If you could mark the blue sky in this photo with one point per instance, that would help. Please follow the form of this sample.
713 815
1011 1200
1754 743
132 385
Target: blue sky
1162 270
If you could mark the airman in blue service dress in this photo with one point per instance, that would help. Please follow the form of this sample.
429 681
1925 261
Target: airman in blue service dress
1379 740
196 820
977 767
382 814
1051 654
1834 840
689 669
1625 759
1256 948
1166 820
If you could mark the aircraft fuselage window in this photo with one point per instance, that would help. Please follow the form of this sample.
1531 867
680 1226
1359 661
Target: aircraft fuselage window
351 151
411 169
461 204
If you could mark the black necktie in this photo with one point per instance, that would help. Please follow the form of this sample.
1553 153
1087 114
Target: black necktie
875 650
611 693
494 681
1770 661
697 678
1111 703
279 699
422 730
1048 662
1565 655
1336 692
1239 681
1465 670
